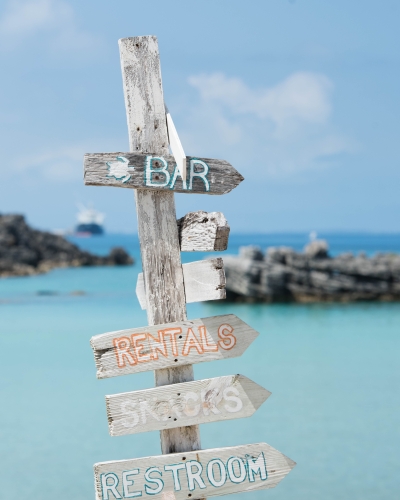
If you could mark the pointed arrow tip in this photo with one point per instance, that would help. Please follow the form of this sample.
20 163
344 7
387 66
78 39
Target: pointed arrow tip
257 393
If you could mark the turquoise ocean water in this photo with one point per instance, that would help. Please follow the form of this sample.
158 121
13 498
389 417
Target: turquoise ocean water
333 371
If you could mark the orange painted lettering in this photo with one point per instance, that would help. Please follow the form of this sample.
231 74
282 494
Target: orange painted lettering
212 347
227 339
157 345
191 342
173 332
122 352
137 343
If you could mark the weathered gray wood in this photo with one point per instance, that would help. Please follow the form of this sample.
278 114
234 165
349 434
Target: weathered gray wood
204 280
162 269
144 99
174 344
203 232
214 472
159 241
199 402
159 172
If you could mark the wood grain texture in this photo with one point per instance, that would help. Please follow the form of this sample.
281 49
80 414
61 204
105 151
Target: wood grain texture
203 232
143 92
213 472
174 344
199 402
204 280
162 270
158 234
158 172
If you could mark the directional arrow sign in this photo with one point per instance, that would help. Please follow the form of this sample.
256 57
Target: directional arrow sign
188 403
204 280
170 345
146 171
195 474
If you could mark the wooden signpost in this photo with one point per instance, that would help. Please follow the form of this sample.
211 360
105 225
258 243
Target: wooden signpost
171 343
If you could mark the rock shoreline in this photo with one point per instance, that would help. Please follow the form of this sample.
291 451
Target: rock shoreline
284 275
25 251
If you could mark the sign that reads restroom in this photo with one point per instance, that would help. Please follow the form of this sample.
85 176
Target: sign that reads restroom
196 474
130 170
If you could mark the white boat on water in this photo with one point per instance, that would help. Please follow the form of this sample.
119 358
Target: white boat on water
90 221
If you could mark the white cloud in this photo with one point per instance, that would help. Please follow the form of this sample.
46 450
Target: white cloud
23 19
59 165
303 96
282 129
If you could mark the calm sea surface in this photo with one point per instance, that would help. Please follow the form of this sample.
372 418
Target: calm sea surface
333 371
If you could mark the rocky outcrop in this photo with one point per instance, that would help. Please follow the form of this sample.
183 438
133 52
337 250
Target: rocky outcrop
283 275
26 251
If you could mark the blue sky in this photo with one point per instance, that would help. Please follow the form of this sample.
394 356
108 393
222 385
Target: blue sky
301 96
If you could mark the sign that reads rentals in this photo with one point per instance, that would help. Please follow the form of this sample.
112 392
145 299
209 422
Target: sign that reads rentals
174 344
196 474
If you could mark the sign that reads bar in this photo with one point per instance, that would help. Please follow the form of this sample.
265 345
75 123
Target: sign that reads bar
169 345
146 171
196 474
188 403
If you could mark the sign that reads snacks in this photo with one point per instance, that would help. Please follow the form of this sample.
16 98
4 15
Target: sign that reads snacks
189 403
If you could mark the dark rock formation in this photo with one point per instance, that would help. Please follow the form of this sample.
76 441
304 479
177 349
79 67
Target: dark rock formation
283 275
25 251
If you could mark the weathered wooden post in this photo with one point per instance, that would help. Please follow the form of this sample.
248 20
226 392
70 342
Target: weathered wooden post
172 343
158 232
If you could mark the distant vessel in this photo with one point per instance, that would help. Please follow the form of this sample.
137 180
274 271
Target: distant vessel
90 221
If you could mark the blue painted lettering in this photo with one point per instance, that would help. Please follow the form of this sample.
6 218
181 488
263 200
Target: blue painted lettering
231 470
175 176
194 475
153 480
257 466
156 172
222 472
175 468
107 488
202 174
126 483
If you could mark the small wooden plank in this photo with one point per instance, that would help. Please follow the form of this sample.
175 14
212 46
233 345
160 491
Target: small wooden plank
196 474
189 403
204 280
203 232
171 345
159 172
176 146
